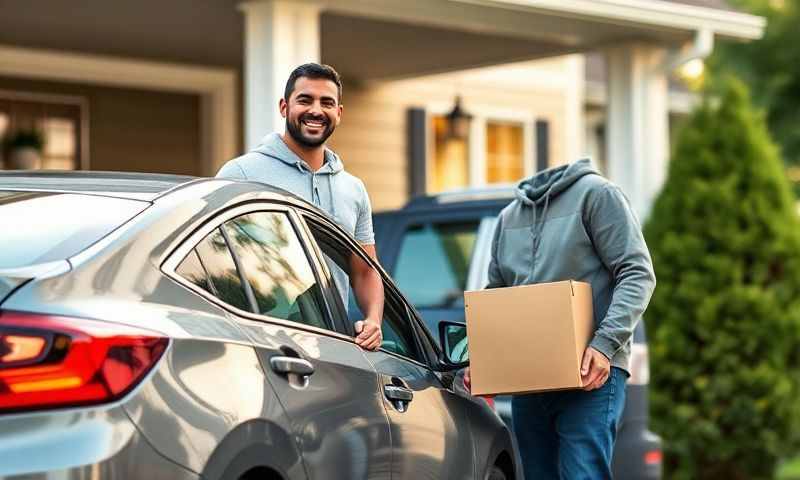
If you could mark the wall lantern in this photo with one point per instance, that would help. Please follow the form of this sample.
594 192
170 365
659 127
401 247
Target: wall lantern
458 122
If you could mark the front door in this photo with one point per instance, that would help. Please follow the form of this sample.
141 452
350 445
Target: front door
324 383
430 432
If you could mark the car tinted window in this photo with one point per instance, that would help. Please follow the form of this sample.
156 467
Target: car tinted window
226 283
192 270
433 263
38 227
398 336
277 268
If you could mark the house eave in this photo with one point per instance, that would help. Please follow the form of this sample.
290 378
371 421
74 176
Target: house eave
657 14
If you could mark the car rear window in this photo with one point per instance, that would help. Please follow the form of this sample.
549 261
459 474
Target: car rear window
38 227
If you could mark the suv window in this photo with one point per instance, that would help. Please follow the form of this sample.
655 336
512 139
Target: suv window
398 335
433 264
275 265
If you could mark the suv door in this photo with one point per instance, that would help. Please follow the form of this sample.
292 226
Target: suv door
256 261
431 437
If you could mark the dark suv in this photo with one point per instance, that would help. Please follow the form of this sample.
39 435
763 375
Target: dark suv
437 247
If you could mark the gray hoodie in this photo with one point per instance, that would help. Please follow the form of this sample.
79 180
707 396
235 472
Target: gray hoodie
331 188
570 223
341 195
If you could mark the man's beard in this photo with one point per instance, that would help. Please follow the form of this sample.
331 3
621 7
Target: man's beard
295 131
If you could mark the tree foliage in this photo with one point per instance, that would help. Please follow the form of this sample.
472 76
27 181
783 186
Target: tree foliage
771 68
724 322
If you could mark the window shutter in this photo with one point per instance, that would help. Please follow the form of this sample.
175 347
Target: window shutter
542 145
416 145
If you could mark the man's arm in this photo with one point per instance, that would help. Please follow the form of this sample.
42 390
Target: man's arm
368 288
366 282
619 242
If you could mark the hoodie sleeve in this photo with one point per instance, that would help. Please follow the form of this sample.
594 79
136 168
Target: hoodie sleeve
618 240
232 171
364 232
495 277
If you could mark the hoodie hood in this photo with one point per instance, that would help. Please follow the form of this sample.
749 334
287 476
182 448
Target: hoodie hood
273 146
546 185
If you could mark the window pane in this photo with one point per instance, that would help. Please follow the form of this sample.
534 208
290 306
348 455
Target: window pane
277 268
433 264
450 159
60 146
397 335
217 259
504 152
42 227
192 270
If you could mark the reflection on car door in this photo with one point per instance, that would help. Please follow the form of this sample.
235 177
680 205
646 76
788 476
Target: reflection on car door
430 432
327 388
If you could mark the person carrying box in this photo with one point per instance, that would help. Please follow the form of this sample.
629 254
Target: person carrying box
570 223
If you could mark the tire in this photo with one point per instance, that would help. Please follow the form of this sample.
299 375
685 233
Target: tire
495 474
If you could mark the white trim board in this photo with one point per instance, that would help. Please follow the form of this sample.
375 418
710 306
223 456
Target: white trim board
654 13
215 86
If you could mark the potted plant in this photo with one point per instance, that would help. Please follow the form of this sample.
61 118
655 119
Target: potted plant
23 150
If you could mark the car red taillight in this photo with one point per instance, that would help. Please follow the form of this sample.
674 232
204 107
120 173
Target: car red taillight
653 457
48 361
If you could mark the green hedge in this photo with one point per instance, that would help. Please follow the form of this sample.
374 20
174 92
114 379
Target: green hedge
724 322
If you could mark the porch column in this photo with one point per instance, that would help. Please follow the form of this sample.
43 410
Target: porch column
279 35
637 123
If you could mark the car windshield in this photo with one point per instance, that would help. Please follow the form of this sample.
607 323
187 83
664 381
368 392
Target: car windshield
40 227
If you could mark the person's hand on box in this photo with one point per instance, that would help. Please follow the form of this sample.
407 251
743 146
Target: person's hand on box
467 380
595 369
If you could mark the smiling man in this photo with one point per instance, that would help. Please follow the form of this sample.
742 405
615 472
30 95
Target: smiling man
299 162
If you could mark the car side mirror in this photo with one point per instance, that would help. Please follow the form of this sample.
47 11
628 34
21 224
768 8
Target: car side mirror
454 342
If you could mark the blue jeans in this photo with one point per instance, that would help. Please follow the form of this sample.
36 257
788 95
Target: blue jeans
569 435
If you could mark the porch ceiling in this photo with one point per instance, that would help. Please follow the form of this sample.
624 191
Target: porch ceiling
365 39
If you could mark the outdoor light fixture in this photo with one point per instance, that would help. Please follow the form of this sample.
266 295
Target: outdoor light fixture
458 122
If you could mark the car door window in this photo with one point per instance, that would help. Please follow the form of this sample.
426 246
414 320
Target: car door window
223 277
432 267
276 267
192 270
398 335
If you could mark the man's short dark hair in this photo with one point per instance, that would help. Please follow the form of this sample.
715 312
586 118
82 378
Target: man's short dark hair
313 71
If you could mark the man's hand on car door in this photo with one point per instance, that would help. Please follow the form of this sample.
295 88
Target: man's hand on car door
368 334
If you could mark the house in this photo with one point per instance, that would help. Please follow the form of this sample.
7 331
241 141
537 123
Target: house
183 85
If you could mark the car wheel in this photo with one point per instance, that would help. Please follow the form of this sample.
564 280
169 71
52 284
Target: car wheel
495 474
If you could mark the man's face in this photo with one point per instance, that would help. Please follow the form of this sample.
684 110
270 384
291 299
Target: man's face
312 112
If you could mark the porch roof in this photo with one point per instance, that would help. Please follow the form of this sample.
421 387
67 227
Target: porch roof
373 39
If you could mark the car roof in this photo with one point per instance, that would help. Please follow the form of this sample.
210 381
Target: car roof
131 185
135 186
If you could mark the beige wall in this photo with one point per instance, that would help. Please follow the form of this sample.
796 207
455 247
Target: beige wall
372 137
133 130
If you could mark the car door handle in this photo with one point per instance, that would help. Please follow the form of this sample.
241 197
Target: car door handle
291 365
402 394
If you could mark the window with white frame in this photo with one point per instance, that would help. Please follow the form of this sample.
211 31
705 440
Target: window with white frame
59 122
498 150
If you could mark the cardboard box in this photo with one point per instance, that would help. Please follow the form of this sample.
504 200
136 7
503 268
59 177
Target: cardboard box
529 338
